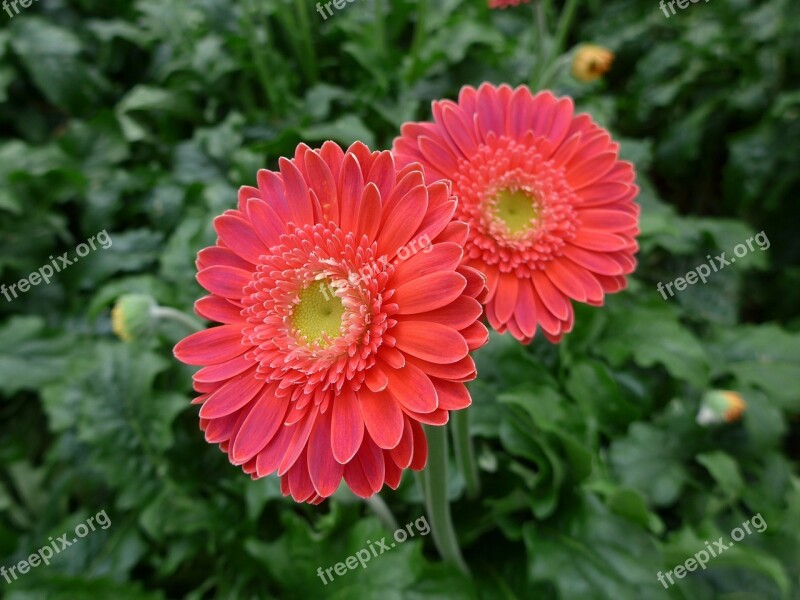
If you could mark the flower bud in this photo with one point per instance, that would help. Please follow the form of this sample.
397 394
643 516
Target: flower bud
720 406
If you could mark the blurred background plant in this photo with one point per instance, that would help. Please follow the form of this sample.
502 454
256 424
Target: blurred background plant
143 118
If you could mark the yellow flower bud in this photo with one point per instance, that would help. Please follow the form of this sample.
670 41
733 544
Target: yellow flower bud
591 62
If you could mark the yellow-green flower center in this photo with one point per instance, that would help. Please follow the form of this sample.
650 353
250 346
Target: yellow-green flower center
515 209
318 316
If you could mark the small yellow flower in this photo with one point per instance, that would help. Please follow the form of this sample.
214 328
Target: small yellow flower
591 62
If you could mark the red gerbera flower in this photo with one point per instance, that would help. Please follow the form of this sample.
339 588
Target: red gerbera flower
346 322
506 3
550 205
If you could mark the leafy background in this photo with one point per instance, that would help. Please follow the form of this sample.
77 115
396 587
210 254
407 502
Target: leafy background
142 118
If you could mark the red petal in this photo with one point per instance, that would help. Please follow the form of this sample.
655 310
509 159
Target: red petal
296 193
270 457
227 282
266 222
347 426
217 255
219 309
430 341
211 346
382 417
326 473
403 221
264 420
404 451
232 396
452 396
223 371
460 313
412 388
506 298
351 187
525 311
462 370
369 219
420 446
323 185
429 292
436 257
552 298
376 379
239 236
298 441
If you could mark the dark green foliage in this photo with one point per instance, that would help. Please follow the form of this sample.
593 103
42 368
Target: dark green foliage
143 117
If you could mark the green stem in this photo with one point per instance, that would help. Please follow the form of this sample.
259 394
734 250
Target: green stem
441 521
541 43
380 28
382 511
165 312
309 59
257 53
419 34
564 23
549 61
553 69
465 452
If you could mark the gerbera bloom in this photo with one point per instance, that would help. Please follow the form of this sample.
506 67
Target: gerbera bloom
550 205
506 3
591 62
336 341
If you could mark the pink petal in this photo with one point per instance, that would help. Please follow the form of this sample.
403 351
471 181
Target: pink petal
412 388
211 346
227 282
232 396
351 187
382 417
430 341
429 292
260 426
299 440
218 309
347 426
369 219
452 396
225 370
240 237
326 473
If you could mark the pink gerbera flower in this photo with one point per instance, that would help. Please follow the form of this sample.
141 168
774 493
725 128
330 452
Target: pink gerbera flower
506 3
550 205
347 320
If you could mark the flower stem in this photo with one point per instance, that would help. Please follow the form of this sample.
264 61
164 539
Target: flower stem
441 521
419 34
309 60
564 22
549 60
165 312
382 511
465 452
380 28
